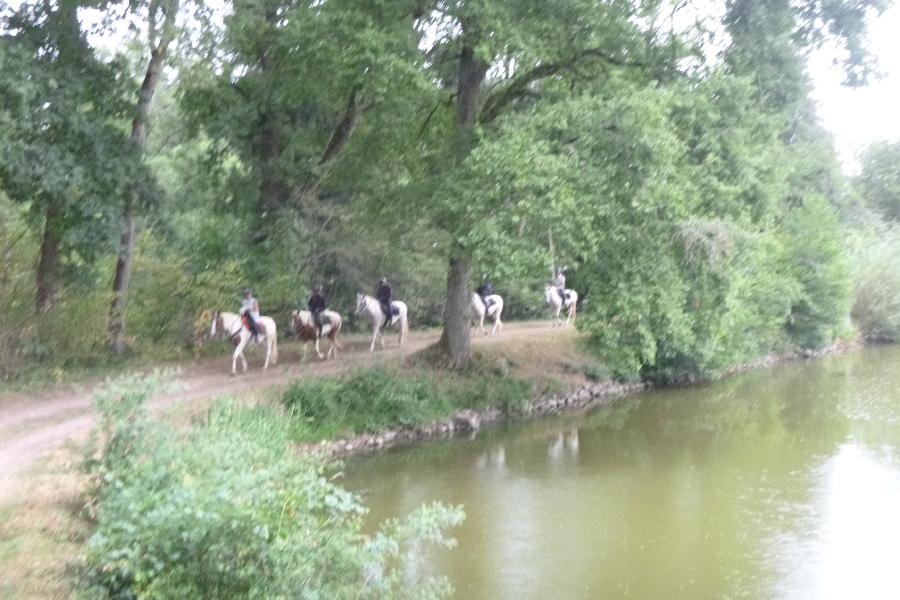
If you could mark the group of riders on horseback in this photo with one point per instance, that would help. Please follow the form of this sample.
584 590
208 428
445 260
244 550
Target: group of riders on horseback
316 304
318 322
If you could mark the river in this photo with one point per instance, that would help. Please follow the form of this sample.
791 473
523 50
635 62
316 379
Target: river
777 483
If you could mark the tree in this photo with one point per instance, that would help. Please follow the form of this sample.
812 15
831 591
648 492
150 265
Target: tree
494 59
879 180
161 18
63 155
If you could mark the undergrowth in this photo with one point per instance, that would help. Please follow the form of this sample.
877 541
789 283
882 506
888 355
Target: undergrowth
227 509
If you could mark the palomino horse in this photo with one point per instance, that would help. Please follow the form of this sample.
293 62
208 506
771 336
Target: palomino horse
372 309
556 304
303 325
494 310
231 325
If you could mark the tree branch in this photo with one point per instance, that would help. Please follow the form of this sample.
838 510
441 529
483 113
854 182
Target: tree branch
518 87
338 140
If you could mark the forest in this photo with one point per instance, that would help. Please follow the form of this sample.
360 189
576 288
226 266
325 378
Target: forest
159 156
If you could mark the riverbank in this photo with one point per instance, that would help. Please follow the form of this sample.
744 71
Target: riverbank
574 389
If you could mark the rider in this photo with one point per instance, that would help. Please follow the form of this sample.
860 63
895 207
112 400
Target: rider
559 282
383 294
316 306
250 309
485 289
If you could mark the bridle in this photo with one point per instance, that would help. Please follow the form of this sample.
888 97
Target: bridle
235 333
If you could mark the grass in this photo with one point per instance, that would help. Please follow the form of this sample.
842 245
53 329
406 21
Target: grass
378 398
503 374
42 530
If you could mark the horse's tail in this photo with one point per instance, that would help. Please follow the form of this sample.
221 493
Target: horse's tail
274 346
336 327
404 325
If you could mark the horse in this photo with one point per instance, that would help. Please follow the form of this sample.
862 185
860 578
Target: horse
233 327
303 325
371 307
556 304
494 310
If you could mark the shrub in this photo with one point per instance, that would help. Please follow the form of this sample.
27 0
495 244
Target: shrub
229 510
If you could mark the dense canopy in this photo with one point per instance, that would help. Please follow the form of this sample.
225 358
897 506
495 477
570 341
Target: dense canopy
157 156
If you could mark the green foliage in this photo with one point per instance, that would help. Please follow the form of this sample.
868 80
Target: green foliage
876 284
816 259
374 399
878 183
228 509
322 144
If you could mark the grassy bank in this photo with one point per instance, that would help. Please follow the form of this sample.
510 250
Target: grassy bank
504 376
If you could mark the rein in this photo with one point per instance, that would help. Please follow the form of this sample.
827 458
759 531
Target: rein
236 332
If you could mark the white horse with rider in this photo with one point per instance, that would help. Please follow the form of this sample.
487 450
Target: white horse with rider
303 325
371 307
493 309
558 296
232 327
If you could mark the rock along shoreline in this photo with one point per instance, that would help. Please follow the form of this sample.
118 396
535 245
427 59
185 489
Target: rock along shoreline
469 420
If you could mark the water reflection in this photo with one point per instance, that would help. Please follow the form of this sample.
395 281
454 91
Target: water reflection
776 484
564 445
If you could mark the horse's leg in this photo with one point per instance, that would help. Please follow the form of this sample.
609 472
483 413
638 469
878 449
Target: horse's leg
268 352
374 337
318 352
238 351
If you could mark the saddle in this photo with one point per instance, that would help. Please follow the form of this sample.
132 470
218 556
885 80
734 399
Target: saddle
393 313
260 328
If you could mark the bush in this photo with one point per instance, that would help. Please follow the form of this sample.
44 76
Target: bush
876 286
229 510
374 399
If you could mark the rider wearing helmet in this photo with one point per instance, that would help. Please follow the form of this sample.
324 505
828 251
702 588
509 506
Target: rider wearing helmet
250 310
383 294
559 282
316 307
485 290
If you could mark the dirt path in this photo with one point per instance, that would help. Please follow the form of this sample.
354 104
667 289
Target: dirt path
33 425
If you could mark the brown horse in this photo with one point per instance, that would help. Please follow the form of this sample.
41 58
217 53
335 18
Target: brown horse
303 325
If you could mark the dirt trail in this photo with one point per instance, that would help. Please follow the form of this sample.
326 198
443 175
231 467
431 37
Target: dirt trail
31 426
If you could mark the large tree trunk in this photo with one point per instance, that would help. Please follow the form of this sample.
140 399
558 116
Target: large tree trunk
455 340
48 263
122 279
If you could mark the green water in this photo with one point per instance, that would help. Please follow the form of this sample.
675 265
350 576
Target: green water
781 483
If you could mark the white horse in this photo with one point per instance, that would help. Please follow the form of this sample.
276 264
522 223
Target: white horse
556 304
303 325
494 310
371 307
233 328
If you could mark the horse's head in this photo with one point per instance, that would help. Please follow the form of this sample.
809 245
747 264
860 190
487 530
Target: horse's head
550 294
360 303
216 323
